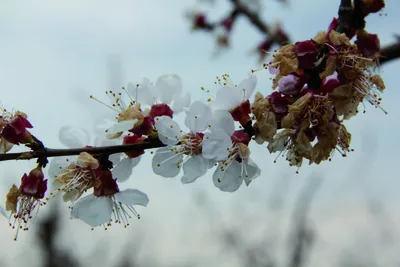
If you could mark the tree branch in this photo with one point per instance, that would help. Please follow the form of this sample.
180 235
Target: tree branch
345 16
253 17
389 53
105 150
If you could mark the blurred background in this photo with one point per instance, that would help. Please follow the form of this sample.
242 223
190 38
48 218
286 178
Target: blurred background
55 54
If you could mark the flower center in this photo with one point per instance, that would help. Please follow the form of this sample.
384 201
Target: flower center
192 144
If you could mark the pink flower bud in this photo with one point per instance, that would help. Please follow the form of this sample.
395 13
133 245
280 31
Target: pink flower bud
288 85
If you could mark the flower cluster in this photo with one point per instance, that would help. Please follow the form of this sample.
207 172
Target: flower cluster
319 84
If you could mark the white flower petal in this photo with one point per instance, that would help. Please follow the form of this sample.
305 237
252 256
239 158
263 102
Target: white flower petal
193 168
59 163
216 144
222 119
121 126
5 146
198 116
229 179
247 86
102 125
147 93
4 212
180 103
251 171
166 163
168 86
229 97
123 169
73 137
131 197
93 210
169 131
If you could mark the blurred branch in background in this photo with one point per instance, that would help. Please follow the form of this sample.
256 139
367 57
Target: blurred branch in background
258 254
274 35
302 237
232 238
48 229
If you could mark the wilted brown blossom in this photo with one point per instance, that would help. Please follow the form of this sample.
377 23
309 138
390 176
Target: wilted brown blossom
320 82
266 124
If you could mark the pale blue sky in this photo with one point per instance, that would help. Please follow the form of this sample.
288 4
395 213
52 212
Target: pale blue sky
54 54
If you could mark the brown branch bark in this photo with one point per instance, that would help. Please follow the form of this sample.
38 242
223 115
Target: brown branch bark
105 150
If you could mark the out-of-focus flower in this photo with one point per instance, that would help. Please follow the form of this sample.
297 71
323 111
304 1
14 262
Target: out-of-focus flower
164 97
108 204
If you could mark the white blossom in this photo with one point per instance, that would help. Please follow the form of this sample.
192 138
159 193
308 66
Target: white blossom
104 210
